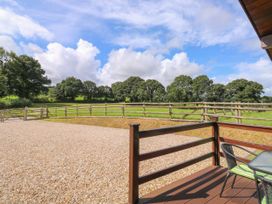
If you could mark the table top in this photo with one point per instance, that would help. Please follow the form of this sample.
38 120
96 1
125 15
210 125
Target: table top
263 162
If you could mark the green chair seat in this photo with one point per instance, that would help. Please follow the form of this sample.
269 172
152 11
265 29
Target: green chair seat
245 171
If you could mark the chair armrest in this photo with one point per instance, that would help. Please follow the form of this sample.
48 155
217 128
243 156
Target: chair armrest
235 157
244 149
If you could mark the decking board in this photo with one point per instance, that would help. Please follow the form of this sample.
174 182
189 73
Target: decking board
204 187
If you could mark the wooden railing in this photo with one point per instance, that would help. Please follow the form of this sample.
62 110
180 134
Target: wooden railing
135 158
193 111
244 143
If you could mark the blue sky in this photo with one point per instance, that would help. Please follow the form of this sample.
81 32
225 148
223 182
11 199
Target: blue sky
107 41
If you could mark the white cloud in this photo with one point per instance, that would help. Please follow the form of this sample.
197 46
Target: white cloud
123 63
61 62
16 25
260 71
9 44
180 22
30 48
179 64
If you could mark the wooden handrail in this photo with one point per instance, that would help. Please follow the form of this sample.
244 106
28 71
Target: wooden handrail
168 130
246 127
247 144
160 173
157 153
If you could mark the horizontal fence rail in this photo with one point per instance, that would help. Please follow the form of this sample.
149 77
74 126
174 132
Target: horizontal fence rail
158 153
163 172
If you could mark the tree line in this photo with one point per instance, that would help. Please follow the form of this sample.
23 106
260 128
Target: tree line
182 89
23 76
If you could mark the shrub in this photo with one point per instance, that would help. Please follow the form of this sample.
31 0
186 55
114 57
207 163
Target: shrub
14 102
19 103
43 99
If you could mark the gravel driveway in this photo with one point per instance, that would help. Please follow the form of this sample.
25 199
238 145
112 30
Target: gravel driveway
46 162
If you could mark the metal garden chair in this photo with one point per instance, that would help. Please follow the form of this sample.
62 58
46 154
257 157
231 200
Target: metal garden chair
235 169
267 190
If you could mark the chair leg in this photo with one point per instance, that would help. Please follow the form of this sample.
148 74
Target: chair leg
258 191
232 185
224 184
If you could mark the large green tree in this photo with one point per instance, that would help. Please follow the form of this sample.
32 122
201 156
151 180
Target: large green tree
154 91
3 78
133 88
181 89
243 90
89 90
104 92
201 87
24 76
118 91
68 89
216 93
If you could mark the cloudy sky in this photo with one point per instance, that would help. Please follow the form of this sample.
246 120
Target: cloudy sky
107 41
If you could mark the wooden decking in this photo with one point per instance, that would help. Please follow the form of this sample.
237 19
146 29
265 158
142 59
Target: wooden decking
204 187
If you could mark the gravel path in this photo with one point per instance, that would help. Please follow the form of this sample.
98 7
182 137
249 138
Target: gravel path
46 162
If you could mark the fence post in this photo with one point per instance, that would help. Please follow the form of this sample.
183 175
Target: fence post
41 112
65 111
90 110
133 164
77 110
123 110
170 111
144 110
239 113
216 143
106 109
2 116
56 112
25 113
47 112
205 111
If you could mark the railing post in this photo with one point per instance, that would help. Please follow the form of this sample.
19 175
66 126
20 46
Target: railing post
25 114
133 164
216 143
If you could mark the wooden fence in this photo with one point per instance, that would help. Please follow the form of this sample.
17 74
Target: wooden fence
135 180
194 111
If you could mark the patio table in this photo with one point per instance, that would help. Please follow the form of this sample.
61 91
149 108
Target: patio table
262 163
